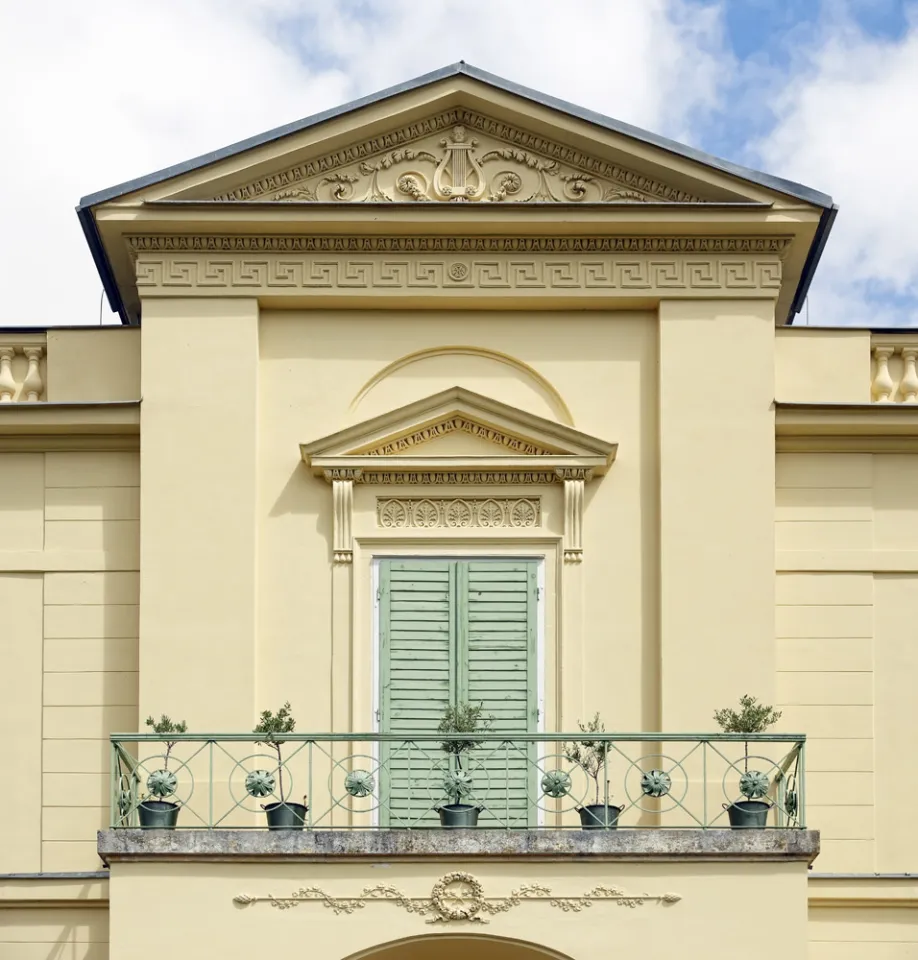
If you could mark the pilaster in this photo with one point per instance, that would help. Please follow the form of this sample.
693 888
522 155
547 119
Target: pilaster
717 489
199 459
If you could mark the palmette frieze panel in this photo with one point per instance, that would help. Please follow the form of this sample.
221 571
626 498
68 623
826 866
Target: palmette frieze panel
459 155
497 273
460 425
458 512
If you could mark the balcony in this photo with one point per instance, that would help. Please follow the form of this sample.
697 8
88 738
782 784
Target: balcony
371 782
367 842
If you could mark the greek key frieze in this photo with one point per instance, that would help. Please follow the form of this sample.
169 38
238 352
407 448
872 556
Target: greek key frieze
498 273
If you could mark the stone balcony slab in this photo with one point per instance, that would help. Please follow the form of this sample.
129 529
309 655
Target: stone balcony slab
308 845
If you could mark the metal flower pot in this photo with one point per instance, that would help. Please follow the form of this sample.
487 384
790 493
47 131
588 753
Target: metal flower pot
157 814
748 814
285 816
459 815
599 816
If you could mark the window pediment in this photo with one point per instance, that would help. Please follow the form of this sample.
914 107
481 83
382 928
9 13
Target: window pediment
457 436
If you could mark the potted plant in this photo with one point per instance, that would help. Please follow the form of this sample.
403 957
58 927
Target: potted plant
590 755
160 813
282 814
465 718
752 717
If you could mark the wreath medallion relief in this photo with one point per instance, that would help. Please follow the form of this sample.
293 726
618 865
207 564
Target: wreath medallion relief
459 896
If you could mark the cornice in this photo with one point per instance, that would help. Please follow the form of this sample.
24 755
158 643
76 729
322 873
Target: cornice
846 428
293 178
265 243
369 468
45 427
43 418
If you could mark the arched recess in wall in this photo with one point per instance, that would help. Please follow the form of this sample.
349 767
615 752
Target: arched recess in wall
458 947
490 372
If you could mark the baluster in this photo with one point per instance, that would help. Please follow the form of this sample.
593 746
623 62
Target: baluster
32 386
7 383
883 386
909 384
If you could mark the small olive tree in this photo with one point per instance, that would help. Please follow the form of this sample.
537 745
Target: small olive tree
273 725
463 718
164 726
590 753
752 717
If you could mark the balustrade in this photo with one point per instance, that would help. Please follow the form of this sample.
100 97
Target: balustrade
894 370
21 377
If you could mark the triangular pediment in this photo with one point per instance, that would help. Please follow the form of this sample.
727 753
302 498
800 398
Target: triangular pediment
465 155
457 430
459 135
396 166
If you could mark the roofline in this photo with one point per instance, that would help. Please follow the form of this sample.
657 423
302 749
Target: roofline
812 261
787 187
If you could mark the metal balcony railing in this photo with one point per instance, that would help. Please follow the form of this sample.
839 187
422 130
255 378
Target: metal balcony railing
542 780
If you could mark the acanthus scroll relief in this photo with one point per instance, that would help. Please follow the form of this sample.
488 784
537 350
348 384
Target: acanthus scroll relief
458 512
462 171
459 156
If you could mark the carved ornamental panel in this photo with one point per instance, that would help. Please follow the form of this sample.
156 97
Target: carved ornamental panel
459 156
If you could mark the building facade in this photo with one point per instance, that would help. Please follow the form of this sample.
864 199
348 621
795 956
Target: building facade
457 395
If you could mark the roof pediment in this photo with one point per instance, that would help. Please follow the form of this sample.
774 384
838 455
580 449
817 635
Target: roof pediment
459 155
458 136
457 435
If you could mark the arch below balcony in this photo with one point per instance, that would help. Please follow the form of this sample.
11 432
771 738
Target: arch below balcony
452 946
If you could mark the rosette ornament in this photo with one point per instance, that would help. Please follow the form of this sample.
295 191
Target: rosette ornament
457 783
556 783
753 784
162 783
656 783
260 783
359 783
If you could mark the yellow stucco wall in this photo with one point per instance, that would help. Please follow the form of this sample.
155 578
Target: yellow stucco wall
68 579
847 586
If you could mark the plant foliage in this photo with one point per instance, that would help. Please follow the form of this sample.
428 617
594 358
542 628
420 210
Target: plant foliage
165 725
274 725
590 753
465 718
752 717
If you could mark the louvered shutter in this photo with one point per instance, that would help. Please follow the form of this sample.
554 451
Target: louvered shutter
453 631
418 679
497 629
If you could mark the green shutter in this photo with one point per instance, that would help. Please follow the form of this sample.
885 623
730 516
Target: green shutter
497 667
418 677
455 631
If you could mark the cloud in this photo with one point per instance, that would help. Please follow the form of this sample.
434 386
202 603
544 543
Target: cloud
103 92
844 123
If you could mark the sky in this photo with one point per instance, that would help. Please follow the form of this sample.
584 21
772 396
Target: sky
824 92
